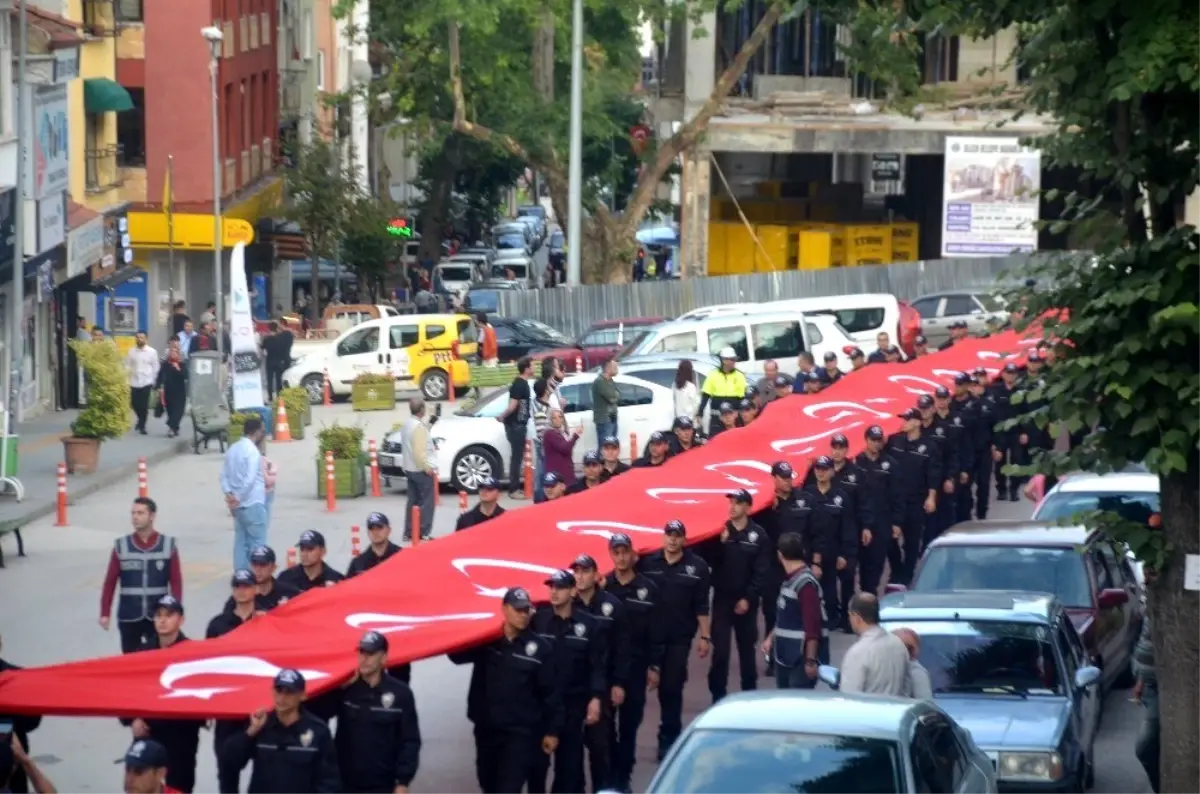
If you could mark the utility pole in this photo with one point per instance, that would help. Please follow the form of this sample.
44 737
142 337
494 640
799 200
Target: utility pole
575 170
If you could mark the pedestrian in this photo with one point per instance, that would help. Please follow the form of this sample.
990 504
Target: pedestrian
592 466
605 400
269 592
142 363
882 342
558 443
922 685
724 385
172 387
739 561
147 769
830 373
612 465
877 663
380 548
684 393
22 726
1145 691
805 366
920 477
180 738
727 419
291 748
245 489
1005 449
486 509
886 500
684 438
242 586
580 655
209 315
418 458
683 582
205 339
270 479
184 337
539 422
799 641
825 520
658 448
312 572
515 700
553 374
378 737
277 350
766 384
515 418
489 349
146 565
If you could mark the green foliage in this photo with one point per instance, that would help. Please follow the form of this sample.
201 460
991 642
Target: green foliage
346 443
106 414
295 402
238 420
367 248
372 379
320 190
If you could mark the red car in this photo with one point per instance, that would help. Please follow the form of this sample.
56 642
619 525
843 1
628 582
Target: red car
600 342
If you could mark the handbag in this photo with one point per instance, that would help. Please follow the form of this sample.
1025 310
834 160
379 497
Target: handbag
159 400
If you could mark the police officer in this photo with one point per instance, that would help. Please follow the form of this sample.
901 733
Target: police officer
935 434
146 768
378 737
146 565
379 533
984 407
592 466
685 436
965 408
799 642
886 501
857 359
657 450
243 587
291 748
269 591
830 373
683 579
920 478
553 487
725 384
727 419
1035 439
756 397
776 520
920 346
515 700
783 386
610 451
825 521
958 332
312 570
739 560
645 624
582 663
486 509
747 412
1005 449
959 436
814 382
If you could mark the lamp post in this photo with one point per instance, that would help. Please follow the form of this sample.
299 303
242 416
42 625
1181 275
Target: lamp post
214 37
575 165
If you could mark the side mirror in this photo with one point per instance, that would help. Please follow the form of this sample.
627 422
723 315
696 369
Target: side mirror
892 589
1086 677
1112 597
830 675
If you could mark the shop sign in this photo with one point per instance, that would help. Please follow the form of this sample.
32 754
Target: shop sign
51 222
66 64
48 160
85 246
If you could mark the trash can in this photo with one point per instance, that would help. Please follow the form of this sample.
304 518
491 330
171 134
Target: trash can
11 457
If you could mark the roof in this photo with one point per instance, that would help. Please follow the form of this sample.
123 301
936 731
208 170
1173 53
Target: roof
627 321
77 214
1117 482
968 605
817 711
1013 533
60 31
658 359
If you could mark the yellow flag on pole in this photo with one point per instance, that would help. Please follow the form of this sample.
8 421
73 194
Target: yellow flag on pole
168 198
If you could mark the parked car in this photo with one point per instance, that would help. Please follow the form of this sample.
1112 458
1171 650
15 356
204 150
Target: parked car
523 268
455 276
535 227
981 309
471 444
538 213
508 236
558 248
660 368
601 342
809 740
1080 567
517 337
1011 669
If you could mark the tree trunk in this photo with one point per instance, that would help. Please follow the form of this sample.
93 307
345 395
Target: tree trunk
436 214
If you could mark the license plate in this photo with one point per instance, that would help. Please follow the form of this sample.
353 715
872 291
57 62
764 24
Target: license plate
387 460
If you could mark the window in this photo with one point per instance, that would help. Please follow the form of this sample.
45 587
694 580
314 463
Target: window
1075 645
926 307
1136 507
364 340
601 337
505 335
129 10
733 336
576 399
1046 570
937 759
1113 562
434 331
631 395
777 340
405 336
677 343
131 131
320 70
858 321
958 305
965 656
815 337
466 332
1070 660
1104 579
660 377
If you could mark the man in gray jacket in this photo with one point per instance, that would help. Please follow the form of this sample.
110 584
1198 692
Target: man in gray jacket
922 685
418 459
878 663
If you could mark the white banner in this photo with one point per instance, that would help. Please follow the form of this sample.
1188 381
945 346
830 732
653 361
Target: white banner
990 197
247 363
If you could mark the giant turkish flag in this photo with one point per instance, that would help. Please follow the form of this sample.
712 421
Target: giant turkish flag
445 595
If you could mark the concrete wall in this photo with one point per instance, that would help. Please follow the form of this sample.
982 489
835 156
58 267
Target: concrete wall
981 59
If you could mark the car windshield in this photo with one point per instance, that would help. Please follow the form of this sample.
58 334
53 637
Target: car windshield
510 240
456 272
518 269
977 567
987 656
556 240
489 407
542 331
633 344
775 762
1135 507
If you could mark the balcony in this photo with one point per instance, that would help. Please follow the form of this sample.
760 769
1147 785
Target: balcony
101 169
99 19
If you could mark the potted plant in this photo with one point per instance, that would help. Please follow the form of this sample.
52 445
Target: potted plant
295 402
237 421
372 392
106 414
349 460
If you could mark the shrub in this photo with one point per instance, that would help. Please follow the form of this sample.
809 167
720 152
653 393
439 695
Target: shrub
346 443
295 401
372 379
239 419
107 413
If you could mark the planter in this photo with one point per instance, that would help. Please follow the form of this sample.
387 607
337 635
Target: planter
297 427
373 396
81 454
306 418
235 433
350 478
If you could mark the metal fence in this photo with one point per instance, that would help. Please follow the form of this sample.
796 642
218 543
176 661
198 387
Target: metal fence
573 309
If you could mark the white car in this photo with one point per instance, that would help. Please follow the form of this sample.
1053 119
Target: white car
471 444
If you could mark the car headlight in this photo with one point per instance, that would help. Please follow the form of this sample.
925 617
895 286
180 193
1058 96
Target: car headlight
1030 766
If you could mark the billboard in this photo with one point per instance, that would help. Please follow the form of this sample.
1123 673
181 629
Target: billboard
990 196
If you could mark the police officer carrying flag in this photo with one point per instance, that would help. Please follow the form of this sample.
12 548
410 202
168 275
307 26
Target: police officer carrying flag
825 522
886 499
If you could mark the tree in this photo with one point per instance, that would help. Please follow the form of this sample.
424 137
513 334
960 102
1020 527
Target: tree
367 247
319 189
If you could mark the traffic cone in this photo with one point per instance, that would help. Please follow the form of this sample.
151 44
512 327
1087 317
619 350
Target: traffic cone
283 430
326 394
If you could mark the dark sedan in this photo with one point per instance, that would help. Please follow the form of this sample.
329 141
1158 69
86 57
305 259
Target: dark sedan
517 337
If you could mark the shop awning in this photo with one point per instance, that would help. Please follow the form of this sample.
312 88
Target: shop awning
101 95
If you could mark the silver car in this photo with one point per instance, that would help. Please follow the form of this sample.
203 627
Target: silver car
981 309
820 741
660 368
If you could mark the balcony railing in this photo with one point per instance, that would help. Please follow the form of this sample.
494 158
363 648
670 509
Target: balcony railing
102 170
99 18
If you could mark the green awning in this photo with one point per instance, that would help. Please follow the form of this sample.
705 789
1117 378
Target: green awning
101 95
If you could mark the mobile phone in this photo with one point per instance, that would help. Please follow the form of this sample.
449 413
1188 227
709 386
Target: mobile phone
6 728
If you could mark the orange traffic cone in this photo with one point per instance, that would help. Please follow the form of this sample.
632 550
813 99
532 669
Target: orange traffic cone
283 430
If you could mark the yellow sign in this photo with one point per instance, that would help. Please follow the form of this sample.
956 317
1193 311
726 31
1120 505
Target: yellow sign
194 232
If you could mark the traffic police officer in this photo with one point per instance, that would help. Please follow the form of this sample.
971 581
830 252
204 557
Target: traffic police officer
727 419
610 451
312 570
379 532
683 579
243 585
825 520
739 560
920 478
800 641
776 520
487 508
515 700
657 451
592 466
1006 450
985 423
145 563
685 436
725 384
935 434
886 499
958 436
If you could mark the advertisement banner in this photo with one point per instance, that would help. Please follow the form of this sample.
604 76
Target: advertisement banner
247 364
48 161
85 246
51 222
990 197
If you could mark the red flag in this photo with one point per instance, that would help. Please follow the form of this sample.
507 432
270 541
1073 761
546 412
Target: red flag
445 595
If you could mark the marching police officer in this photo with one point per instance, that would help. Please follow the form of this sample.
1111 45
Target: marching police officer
726 418
747 412
581 659
825 520
657 451
610 451
1006 448
776 520
146 565
920 478
269 591
592 466
935 434
830 373
739 561
378 737
515 700
984 407
783 386
312 571
243 585
291 749
683 580
685 436
553 487
958 436
886 501
486 509
1035 439
379 533
646 632
800 641
967 410
813 382
958 332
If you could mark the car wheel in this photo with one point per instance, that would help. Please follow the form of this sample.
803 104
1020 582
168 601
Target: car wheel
472 466
315 386
435 384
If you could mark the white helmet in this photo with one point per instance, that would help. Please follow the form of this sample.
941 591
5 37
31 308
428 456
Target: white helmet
727 352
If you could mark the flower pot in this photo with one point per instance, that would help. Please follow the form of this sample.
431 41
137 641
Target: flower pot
373 396
350 479
306 417
81 454
296 426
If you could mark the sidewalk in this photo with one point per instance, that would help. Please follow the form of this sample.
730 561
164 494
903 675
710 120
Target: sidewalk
41 451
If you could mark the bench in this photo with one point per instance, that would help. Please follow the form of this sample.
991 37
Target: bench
208 424
14 528
491 377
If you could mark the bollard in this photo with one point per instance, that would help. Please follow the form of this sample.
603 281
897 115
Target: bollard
61 517
330 484
528 470
283 430
355 542
376 490
462 502
143 481
327 392
579 363
415 526
291 557
633 448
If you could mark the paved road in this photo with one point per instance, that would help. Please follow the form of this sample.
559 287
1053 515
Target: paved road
63 571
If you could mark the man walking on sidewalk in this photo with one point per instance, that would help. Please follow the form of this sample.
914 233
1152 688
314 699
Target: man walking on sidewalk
417 455
142 362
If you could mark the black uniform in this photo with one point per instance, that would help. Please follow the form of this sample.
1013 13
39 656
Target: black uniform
934 435
1039 438
474 517
920 472
644 462
514 700
644 625
1005 440
677 448
23 725
826 523
265 602
613 622
887 503
852 481
958 438
776 520
982 412
297 578
293 758
827 378
581 659
606 475
369 559
378 737
683 588
180 738
227 775
740 567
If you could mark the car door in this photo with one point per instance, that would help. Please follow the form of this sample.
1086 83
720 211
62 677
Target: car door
403 341
1107 625
1122 577
932 327
357 353
508 343
637 414
1084 714
731 335
961 307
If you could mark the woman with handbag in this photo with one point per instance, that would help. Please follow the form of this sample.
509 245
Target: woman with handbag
172 388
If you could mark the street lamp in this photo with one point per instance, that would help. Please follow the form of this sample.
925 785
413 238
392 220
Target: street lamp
575 158
214 36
